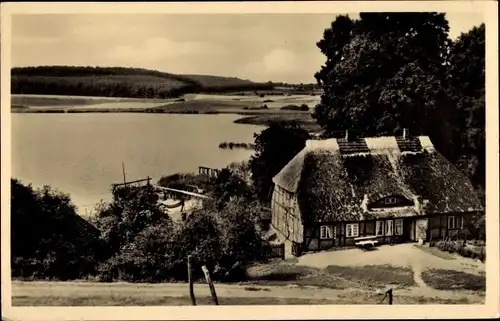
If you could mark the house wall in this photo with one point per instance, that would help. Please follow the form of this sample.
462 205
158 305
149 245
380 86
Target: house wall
286 215
341 238
437 225
442 226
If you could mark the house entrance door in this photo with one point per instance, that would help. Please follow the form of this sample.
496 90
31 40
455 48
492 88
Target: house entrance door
421 229
408 230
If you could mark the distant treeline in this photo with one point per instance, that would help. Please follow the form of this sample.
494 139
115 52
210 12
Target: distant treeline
233 145
120 82
299 87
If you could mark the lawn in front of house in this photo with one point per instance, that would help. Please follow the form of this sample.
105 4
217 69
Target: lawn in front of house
442 279
436 252
333 276
374 275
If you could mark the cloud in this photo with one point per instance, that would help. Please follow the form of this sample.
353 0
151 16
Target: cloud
283 64
34 41
111 29
158 49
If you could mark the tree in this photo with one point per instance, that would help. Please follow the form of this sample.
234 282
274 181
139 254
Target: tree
240 236
389 71
381 72
228 185
236 240
466 85
150 257
131 211
274 148
48 238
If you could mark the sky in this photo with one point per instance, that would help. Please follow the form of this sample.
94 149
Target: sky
259 47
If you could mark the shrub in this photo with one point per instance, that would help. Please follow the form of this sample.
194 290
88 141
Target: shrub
290 107
462 249
304 107
48 239
139 242
185 181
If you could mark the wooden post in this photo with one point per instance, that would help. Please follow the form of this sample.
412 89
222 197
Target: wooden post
389 292
190 280
123 169
210 284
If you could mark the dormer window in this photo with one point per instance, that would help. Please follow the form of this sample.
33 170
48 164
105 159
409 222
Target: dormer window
390 200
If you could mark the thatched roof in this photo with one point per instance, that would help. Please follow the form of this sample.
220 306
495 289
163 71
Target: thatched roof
335 179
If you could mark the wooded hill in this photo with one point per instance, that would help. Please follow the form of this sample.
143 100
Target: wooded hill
120 82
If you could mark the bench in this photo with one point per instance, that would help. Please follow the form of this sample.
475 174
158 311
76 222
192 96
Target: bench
366 241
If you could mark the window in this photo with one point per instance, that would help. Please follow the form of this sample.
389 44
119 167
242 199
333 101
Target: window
390 200
452 222
325 232
455 222
399 227
379 228
352 230
388 227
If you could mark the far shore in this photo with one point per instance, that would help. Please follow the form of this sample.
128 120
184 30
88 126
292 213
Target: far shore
252 108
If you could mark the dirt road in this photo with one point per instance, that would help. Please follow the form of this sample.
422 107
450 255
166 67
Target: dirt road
144 293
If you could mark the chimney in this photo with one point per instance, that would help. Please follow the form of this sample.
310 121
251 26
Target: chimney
406 133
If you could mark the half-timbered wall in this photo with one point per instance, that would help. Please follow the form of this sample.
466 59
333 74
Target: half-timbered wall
321 236
452 225
286 215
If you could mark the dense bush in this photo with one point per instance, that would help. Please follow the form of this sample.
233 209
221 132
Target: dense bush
461 248
186 181
302 107
217 238
48 239
131 211
144 245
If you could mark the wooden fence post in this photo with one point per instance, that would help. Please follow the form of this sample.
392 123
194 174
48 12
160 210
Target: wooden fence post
210 284
190 280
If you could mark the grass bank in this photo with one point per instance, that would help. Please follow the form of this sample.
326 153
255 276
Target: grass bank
303 119
206 300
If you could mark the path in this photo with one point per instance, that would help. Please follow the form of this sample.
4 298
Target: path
397 255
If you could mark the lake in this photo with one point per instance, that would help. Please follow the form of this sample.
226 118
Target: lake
82 154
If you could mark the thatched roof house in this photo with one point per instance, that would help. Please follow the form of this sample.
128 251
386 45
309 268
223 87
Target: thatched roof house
338 181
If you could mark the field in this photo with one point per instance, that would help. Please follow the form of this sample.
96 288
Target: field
120 82
338 277
256 109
